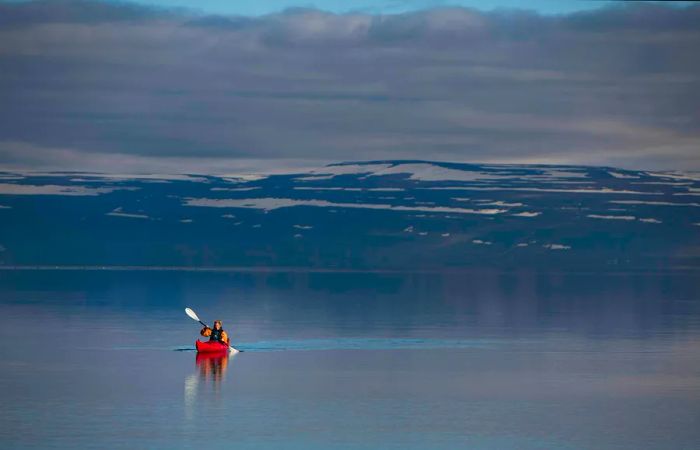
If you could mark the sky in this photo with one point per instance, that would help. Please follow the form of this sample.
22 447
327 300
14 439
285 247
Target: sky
220 87
261 7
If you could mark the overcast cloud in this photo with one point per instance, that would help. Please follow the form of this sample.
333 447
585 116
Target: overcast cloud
94 86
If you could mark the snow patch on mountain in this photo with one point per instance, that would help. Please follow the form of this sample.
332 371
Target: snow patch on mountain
654 203
119 212
676 175
557 247
96 177
53 189
236 189
598 216
621 175
271 203
242 177
335 170
536 189
502 203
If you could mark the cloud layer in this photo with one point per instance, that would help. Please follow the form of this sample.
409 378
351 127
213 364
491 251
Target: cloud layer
88 85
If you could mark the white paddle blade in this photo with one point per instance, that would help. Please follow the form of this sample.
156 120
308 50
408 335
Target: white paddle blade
232 351
192 314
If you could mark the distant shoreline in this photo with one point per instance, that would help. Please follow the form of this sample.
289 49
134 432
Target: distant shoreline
290 269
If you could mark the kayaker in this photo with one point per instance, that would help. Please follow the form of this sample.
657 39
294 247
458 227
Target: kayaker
216 334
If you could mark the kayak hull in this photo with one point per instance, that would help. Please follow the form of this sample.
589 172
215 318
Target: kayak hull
211 347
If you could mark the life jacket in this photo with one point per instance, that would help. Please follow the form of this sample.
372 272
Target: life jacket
216 335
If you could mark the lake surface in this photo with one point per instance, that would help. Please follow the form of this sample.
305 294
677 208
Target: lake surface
94 359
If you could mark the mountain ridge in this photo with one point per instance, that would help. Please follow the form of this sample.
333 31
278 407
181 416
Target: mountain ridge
367 215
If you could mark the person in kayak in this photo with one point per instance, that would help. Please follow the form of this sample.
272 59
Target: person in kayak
216 334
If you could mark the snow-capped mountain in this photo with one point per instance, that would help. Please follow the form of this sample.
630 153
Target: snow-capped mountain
378 215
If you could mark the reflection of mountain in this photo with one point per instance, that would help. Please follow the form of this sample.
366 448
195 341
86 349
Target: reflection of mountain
378 215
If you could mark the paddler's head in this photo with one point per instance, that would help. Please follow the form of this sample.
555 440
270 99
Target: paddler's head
217 324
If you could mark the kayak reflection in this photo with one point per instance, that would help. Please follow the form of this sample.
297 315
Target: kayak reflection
212 366
210 372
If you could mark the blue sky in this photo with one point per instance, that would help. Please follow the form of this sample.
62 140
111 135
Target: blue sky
260 7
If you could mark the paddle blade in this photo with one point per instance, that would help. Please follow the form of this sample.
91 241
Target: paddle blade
192 314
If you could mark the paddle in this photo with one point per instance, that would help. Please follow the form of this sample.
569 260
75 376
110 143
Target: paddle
193 315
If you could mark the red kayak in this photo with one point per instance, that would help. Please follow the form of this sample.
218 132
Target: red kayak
211 347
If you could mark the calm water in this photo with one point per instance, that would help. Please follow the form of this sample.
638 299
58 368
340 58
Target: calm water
343 361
